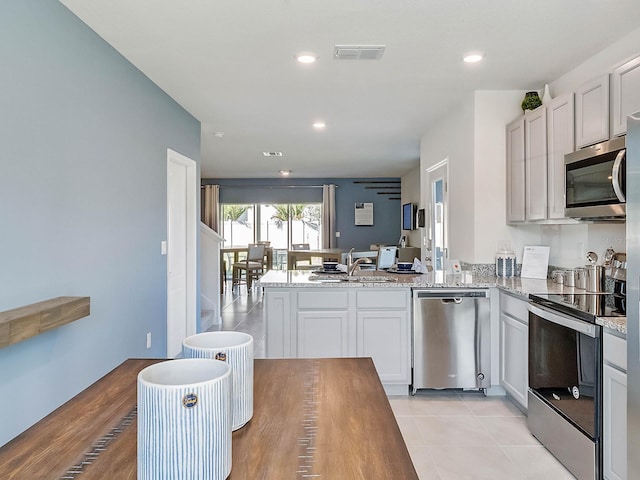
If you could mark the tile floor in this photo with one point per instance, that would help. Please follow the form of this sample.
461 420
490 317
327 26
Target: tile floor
450 434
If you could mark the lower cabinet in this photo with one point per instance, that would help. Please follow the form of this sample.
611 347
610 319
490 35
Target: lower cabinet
614 437
343 322
514 347
323 334
384 336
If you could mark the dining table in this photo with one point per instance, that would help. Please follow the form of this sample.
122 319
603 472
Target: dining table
324 418
326 254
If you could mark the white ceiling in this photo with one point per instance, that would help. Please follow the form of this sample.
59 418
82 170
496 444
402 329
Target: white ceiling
230 64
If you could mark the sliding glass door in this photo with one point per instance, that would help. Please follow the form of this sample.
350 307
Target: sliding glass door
281 225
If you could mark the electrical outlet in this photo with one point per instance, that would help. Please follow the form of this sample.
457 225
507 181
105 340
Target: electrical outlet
148 339
337 234
163 247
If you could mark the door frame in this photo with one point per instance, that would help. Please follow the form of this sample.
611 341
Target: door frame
188 325
435 172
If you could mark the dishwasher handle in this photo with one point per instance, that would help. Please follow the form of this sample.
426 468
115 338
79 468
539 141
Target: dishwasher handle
457 294
456 300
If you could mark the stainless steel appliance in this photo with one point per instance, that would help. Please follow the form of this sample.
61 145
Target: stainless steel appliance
632 296
451 339
595 180
565 377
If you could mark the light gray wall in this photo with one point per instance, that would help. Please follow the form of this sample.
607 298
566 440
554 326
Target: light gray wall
84 138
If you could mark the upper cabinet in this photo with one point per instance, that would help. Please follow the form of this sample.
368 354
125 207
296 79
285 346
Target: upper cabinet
536 145
625 98
560 141
515 171
535 157
592 112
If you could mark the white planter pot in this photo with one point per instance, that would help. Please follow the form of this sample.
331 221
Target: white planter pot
184 420
235 348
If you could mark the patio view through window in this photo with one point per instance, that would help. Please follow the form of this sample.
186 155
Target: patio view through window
281 225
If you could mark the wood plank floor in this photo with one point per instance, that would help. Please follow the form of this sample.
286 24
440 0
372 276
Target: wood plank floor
451 435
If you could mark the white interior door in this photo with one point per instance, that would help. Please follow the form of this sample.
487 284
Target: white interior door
438 243
181 250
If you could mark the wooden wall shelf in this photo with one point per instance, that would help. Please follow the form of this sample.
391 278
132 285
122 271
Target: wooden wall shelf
31 320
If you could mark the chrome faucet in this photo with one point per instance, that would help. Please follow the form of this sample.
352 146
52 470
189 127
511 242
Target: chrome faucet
356 265
350 259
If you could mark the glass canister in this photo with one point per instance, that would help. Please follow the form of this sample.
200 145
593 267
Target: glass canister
505 263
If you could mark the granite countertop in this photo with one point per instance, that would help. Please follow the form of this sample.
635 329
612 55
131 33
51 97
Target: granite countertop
303 278
522 287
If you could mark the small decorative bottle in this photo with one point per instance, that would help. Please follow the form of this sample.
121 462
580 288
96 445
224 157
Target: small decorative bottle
546 96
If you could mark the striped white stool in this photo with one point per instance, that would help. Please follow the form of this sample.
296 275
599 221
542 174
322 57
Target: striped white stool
184 420
235 348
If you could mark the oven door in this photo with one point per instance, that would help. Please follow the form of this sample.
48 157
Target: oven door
565 367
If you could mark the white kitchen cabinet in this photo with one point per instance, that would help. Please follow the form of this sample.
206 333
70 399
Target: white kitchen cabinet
343 322
514 347
625 95
383 332
535 155
592 112
614 390
323 334
384 336
560 141
515 171
277 311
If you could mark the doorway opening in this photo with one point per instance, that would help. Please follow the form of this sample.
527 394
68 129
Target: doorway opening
438 234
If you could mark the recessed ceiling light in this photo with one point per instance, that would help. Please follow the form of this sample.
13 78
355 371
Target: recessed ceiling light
306 57
473 57
285 172
319 125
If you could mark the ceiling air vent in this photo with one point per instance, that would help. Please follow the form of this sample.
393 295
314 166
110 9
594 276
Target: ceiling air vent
358 52
272 154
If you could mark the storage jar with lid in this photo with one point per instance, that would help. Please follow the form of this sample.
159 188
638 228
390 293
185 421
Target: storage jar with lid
505 263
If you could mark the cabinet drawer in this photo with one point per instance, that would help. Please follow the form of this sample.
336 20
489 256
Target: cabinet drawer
323 299
515 307
387 298
615 351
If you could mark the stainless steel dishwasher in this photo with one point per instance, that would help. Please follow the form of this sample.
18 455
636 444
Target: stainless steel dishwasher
451 338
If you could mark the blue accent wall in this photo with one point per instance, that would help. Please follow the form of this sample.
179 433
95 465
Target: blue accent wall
82 203
386 213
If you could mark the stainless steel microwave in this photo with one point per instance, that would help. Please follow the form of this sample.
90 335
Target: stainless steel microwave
595 181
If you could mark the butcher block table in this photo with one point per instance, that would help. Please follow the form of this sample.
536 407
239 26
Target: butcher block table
319 419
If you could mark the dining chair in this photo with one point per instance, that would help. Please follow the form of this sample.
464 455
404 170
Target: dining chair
253 266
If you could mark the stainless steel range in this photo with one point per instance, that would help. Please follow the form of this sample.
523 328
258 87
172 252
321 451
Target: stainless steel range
565 377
